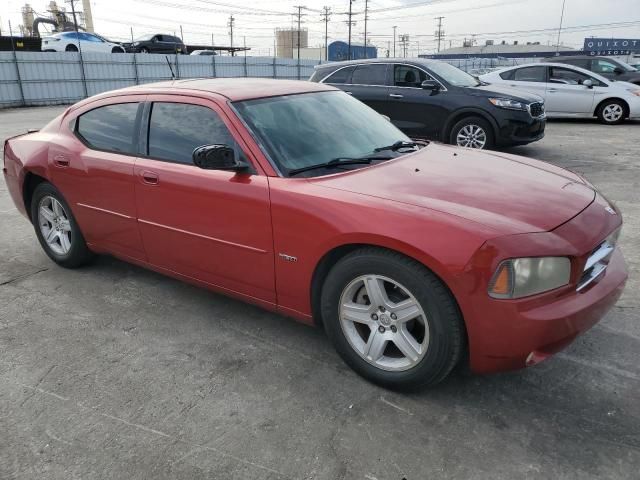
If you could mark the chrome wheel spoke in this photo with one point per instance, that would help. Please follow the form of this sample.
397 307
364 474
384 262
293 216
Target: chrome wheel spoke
65 243
57 208
408 345
376 292
65 226
51 236
358 313
47 214
374 349
407 310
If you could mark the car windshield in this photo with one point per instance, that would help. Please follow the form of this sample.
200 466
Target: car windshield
453 75
627 67
299 131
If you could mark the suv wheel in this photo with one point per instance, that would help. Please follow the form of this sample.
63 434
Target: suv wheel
612 112
472 132
391 319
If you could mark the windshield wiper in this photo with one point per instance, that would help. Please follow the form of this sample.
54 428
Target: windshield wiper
396 146
337 162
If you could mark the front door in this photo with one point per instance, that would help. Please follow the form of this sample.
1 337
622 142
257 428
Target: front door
417 112
93 168
566 93
210 225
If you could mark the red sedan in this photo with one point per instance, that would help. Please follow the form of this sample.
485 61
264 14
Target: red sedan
300 199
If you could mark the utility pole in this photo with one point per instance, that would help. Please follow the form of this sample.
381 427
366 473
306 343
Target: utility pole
366 12
394 40
560 29
230 25
73 13
439 32
299 14
350 23
326 11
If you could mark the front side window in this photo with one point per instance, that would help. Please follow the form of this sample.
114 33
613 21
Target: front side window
299 131
408 76
603 66
579 62
110 128
341 76
530 74
453 75
176 129
566 76
370 75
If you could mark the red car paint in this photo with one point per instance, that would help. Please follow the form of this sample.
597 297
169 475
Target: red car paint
459 212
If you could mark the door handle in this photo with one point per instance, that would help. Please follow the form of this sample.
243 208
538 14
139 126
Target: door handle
552 90
150 178
514 86
396 95
61 161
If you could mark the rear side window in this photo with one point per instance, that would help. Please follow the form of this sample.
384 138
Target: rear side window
530 74
341 76
176 129
369 75
408 76
508 75
110 128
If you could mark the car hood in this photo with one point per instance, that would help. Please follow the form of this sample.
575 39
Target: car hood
502 92
629 77
507 193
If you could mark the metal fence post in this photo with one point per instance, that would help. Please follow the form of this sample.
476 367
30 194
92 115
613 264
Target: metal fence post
84 77
298 68
275 69
246 73
135 68
15 60
213 64
177 66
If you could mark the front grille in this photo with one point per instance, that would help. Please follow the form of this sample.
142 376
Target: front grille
536 109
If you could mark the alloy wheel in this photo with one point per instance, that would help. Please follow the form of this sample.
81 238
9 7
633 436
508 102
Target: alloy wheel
54 225
384 323
471 136
612 112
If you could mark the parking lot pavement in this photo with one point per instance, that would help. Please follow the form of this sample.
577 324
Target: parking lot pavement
113 371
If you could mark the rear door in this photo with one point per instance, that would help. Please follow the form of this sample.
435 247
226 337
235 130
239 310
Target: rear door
369 84
415 111
211 225
566 94
93 168
529 79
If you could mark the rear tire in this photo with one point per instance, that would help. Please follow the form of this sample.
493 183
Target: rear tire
419 333
472 132
144 50
612 112
56 228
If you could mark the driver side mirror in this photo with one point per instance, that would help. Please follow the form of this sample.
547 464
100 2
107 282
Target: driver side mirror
618 71
430 85
588 83
218 157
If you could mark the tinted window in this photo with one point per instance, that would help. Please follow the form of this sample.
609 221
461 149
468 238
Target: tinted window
508 75
341 76
603 66
578 62
111 127
370 75
407 76
174 39
530 74
176 129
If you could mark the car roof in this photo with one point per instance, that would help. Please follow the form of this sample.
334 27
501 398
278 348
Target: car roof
554 64
410 61
234 89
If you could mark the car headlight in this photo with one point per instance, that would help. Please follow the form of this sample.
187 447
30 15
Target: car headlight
508 104
522 277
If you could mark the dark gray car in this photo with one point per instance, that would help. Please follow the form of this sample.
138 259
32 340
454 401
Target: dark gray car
608 67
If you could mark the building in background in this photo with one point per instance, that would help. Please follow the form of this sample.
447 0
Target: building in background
287 42
502 50
339 50
310 53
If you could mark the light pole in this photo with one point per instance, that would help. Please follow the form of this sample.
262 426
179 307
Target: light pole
394 40
560 29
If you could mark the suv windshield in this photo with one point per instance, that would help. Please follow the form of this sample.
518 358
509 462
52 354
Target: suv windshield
453 75
626 66
299 131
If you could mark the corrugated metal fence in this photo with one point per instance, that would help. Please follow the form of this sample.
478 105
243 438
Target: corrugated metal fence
47 78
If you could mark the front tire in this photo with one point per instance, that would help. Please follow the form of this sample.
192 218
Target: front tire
71 48
472 132
56 228
391 319
612 112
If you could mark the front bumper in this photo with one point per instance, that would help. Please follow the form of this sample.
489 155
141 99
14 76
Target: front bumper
513 334
520 130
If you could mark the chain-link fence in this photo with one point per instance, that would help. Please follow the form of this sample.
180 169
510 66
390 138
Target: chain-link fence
48 78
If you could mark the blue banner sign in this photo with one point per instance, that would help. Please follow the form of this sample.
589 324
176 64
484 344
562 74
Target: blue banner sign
611 46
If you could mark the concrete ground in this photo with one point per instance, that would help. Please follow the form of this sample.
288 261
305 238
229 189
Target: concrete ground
113 372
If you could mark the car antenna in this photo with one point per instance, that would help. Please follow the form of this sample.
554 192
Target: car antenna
173 77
